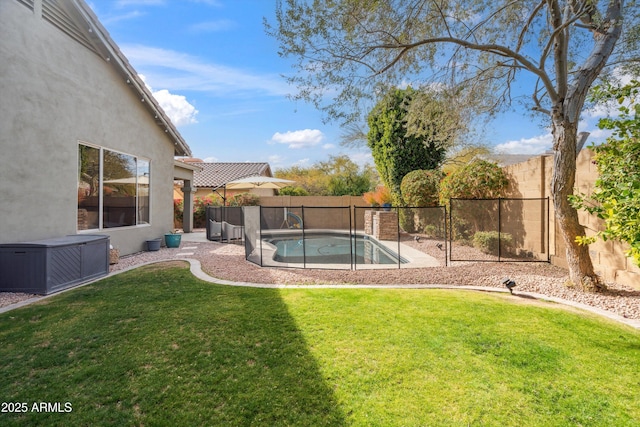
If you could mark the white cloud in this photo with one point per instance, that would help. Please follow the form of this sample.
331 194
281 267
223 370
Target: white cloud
541 143
177 108
611 108
536 145
299 138
328 146
179 71
210 160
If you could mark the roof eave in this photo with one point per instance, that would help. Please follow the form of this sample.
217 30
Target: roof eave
105 44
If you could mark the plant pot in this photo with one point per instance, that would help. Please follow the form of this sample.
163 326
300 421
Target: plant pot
172 240
386 206
154 244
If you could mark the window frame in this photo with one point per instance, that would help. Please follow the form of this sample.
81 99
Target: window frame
138 221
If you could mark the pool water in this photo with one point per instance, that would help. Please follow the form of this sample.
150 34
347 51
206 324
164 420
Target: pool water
331 249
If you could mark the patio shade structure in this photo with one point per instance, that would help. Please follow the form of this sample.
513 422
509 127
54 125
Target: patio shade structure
260 181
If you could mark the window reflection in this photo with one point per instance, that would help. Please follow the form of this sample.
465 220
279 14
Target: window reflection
123 198
143 191
88 188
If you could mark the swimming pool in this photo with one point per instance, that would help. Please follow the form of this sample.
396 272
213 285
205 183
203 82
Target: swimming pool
331 249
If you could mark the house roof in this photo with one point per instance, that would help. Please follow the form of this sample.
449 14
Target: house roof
216 175
76 18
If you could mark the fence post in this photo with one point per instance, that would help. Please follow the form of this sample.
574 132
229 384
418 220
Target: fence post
450 227
260 232
499 227
398 233
352 237
304 241
446 247
547 226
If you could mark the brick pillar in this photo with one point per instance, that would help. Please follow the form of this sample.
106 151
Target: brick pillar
387 225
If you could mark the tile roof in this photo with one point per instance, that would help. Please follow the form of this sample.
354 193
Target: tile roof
216 175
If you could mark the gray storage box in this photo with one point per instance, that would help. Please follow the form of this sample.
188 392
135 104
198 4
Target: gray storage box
51 265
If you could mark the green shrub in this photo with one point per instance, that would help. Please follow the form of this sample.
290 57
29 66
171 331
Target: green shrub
419 188
293 191
478 179
199 210
178 208
616 196
406 217
434 231
489 242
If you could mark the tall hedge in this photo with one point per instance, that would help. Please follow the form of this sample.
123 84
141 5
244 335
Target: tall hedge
396 153
420 190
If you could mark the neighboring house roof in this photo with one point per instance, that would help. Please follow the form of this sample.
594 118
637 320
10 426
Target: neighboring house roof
76 18
216 175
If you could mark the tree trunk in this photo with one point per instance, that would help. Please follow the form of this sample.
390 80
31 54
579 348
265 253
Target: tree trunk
581 273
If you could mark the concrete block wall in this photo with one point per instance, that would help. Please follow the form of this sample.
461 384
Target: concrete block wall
531 179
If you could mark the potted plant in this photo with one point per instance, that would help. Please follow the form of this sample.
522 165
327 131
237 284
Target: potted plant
370 198
172 239
383 197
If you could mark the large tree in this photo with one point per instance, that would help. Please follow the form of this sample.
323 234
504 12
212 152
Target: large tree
349 49
397 151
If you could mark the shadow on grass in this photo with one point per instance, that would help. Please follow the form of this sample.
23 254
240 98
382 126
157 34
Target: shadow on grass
162 349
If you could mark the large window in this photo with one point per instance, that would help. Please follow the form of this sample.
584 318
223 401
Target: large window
113 189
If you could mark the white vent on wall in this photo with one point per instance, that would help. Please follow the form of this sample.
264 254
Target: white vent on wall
28 3
55 12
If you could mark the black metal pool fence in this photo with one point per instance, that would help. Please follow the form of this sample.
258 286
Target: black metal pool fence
351 237
502 230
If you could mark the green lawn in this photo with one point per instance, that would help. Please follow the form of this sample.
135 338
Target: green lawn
156 346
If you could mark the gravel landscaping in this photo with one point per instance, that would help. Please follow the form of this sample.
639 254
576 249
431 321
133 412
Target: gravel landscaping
226 261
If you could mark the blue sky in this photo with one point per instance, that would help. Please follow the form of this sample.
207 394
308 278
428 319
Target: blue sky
218 76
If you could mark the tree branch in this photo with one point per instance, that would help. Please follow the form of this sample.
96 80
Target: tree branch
526 27
495 49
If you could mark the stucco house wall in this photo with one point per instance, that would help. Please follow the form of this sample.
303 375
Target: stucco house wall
56 93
